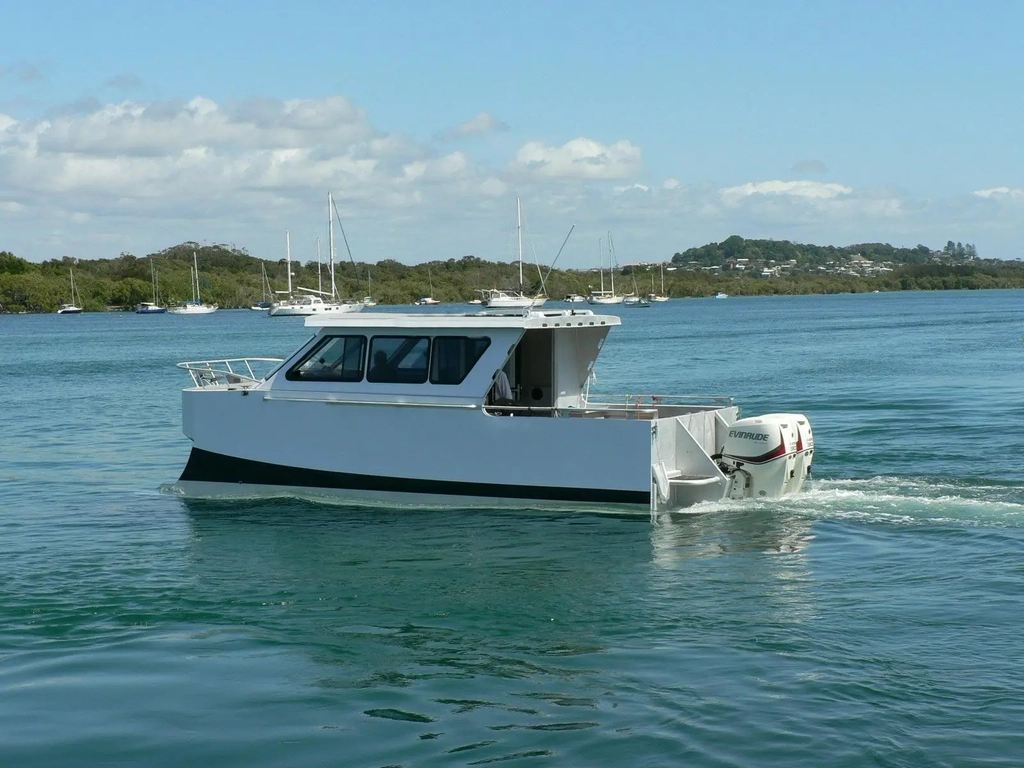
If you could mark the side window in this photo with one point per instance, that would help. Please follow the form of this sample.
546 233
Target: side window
335 358
454 357
399 359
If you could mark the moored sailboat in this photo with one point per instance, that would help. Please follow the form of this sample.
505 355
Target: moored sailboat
75 307
196 306
151 307
658 296
496 298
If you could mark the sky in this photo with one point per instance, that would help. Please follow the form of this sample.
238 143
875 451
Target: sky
132 126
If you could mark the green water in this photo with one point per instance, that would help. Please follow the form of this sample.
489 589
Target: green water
872 621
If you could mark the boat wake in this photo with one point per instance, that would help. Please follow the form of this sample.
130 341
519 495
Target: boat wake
913 501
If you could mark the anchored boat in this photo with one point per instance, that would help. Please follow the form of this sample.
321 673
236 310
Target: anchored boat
481 409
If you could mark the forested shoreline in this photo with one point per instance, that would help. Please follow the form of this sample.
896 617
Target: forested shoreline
230 277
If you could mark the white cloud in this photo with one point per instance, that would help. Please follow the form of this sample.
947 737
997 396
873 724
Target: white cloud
93 179
483 123
1001 193
812 190
580 158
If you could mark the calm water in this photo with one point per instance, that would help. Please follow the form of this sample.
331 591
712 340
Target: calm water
873 621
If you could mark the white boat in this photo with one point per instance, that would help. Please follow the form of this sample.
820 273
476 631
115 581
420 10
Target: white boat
393 378
721 295
309 303
151 307
574 298
602 296
196 306
312 301
429 301
496 298
75 307
368 300
658 297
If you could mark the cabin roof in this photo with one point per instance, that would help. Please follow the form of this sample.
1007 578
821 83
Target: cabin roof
560 318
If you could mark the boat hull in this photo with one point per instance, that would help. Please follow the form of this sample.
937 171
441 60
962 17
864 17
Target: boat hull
472 459
209 475
193 309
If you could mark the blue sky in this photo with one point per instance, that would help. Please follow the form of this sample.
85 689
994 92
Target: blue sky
129 126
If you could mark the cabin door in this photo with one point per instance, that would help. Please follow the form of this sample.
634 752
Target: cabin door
533 369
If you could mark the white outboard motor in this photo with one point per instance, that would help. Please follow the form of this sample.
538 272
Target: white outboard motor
804 451
768 456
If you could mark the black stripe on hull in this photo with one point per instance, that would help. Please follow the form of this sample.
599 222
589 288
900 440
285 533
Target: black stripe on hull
208 467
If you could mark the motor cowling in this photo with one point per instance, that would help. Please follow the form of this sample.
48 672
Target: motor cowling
767 456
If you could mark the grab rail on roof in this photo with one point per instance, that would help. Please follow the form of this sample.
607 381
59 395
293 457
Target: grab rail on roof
234 372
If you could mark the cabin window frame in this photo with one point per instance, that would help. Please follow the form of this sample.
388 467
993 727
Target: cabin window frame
293 373
436 355
392 379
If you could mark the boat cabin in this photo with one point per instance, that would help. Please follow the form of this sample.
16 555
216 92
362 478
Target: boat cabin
545 356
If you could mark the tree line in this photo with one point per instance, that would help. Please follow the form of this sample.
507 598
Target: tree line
230 277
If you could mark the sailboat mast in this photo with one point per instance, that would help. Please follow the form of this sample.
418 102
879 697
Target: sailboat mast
195 277
600 261
519 233
330 231
611 262
288 259
319 276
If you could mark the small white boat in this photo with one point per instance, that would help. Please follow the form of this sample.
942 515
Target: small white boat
75 307
368 300
658 297
429 301
496 298
196 306
574 298
505 398
603 297
152 307
721 295
311 304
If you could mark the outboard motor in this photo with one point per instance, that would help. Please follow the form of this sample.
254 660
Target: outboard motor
804 451
767 456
